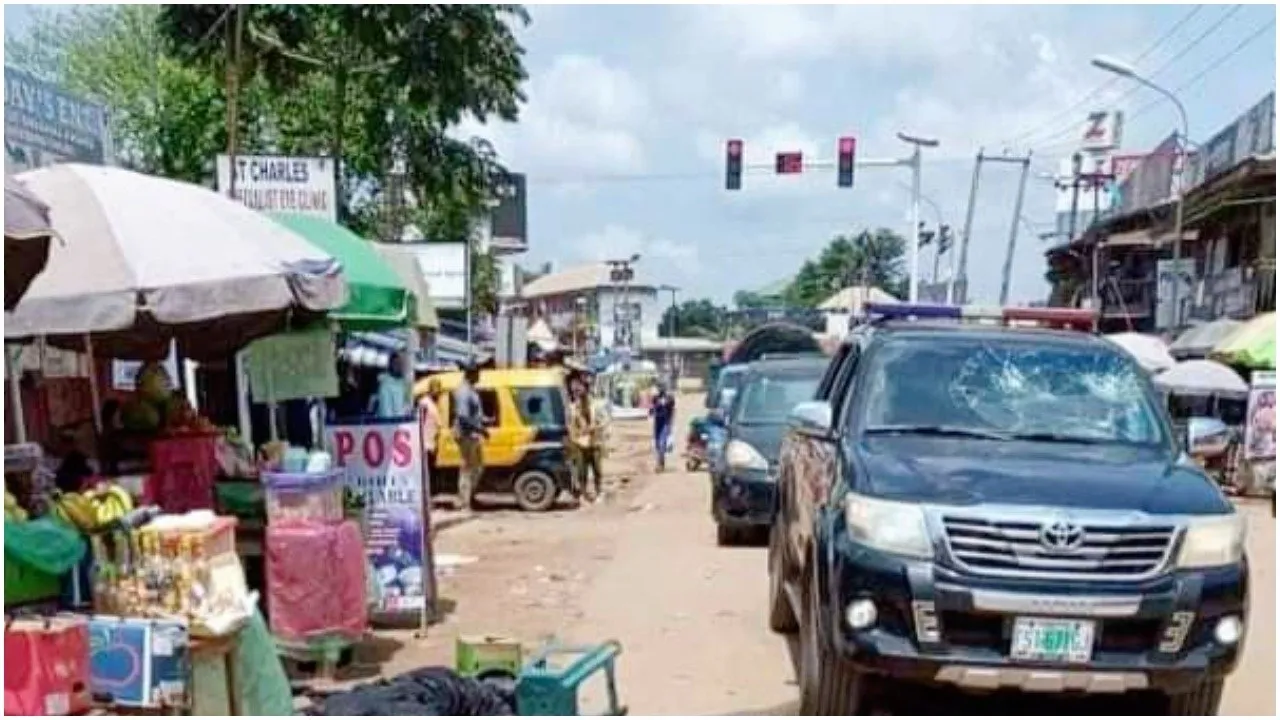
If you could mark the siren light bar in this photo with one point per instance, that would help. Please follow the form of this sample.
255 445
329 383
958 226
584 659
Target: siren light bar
1060 318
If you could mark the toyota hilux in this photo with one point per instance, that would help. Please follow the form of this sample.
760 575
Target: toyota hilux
974 503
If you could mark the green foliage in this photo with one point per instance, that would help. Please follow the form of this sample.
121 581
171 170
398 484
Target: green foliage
695 318
873 258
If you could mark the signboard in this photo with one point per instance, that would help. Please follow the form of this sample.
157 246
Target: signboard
789 163
279 183
1260 427
1168 273
444 266
1102 130
383 462
1152 181
510 217
44 125
1253 133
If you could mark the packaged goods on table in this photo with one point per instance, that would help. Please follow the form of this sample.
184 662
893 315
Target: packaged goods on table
176 566
46 670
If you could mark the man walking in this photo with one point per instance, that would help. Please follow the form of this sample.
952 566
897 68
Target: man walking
663 411
470 431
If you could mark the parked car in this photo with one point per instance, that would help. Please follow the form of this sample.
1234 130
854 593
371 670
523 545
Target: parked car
743 500
1000 508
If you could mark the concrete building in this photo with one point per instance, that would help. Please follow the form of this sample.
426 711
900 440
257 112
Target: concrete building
586 297
839 309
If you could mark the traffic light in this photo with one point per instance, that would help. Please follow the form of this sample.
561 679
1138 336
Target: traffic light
733 165
844 165
944 238
925 237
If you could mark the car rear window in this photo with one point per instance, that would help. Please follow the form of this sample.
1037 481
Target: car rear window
768 400
541 406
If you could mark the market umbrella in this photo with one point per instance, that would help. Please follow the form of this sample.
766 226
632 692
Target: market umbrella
144 260
1252 345
26 239
1202 377
1150 351
377 297
405 263
1198 341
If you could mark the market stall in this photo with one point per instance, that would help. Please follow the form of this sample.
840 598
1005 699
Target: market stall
172 616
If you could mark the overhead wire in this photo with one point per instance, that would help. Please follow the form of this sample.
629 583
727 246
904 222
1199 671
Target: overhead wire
1046 139
1110 81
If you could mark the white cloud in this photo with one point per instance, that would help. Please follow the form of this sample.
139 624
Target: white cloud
660 258
583 117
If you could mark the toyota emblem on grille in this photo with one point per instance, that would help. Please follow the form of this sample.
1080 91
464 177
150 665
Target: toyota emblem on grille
1061 536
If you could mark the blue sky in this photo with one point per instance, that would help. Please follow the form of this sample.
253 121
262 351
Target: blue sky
623 136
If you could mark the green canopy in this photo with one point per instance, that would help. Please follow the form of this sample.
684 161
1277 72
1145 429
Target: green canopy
377 297
1252 345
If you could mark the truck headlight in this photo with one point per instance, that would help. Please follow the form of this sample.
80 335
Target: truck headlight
1212 541
893 527
741 456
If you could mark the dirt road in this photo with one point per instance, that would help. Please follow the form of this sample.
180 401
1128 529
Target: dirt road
643 567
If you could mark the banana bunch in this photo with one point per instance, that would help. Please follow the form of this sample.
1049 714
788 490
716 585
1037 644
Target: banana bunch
110 503
12 510
74 509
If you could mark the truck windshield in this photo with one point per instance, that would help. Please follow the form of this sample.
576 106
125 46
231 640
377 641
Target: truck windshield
1009 389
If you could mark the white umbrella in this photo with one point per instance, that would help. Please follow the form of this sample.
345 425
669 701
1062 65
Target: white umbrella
145 259
1202 377
26 240
1150 351
1198 341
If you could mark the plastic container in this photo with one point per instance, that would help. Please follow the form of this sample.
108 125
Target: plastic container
306 497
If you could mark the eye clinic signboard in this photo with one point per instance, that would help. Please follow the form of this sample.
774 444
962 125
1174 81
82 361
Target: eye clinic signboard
280 183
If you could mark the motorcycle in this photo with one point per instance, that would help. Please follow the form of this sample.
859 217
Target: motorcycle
696 443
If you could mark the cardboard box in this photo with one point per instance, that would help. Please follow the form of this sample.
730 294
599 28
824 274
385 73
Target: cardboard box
138 662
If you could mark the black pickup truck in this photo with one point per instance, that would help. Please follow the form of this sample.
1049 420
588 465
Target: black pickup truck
1000 508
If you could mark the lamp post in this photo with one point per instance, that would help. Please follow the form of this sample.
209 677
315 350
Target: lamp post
1125 70
912 235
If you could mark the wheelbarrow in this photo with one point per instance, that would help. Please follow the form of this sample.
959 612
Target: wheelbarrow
544 688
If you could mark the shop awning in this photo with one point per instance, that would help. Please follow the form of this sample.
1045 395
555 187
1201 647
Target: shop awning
405 265
377 298
1252 345
373 349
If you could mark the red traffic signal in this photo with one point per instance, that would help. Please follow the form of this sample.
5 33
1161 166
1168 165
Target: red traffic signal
733 165
846 150
790 163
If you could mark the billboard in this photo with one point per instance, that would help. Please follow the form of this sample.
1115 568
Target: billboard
1253 133
510 216
44 125
1182 273
1151 182
444 266
280 183
1102 130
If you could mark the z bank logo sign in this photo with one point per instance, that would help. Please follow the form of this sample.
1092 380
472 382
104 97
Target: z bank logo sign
1102 130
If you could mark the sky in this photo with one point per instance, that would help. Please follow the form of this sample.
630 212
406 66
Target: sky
629 108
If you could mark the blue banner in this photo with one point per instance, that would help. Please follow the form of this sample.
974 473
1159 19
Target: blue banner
44 125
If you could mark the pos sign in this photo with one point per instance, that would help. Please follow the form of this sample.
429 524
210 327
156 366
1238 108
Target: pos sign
382 461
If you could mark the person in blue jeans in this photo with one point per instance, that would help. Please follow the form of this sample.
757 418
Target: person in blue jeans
663 412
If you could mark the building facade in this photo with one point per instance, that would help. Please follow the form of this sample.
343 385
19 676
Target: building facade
585 302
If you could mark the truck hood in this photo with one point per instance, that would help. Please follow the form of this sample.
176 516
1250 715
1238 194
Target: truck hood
961 471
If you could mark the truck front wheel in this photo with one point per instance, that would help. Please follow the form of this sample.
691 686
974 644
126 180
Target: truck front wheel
1204 700
829 685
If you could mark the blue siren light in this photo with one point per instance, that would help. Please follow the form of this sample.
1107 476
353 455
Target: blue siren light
906 311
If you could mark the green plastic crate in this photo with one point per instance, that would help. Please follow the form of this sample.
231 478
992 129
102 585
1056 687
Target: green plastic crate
481 656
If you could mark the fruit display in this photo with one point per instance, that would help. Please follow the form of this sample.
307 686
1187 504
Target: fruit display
156 409
96 509
12 510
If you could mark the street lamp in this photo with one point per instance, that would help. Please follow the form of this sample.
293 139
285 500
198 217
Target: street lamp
1125 70
917 142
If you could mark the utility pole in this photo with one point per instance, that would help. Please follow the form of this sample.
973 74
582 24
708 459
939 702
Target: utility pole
1013 232
1077 161
966 234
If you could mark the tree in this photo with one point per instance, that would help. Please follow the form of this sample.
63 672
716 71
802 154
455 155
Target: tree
872 258
695 318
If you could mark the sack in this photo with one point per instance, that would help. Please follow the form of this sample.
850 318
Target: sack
46 670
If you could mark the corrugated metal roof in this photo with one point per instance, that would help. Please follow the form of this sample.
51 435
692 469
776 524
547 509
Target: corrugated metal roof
574 279
854 297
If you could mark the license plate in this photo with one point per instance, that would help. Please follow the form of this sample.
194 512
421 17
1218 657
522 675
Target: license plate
1052 640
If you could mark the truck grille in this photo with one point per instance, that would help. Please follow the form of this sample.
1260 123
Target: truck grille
1014 547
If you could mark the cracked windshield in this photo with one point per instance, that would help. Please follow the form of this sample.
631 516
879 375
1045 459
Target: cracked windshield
655 359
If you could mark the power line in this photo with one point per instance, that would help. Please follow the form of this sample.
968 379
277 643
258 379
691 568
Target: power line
1194 79
1111 81
1071 126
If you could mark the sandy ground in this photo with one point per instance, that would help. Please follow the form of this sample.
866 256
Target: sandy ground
643 567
